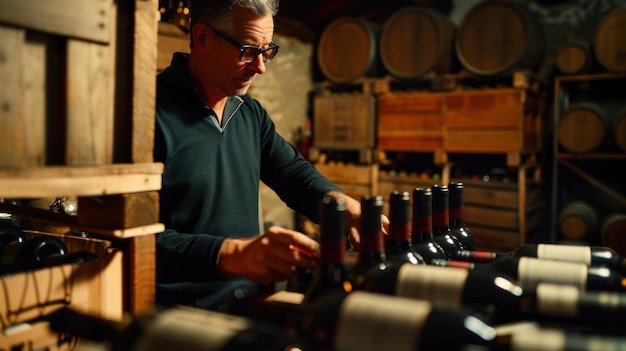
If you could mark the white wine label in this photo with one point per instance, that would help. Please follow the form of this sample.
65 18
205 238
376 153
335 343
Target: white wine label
375 322
532 271
190 329
571 253
516 327
557 300
433 283
539 340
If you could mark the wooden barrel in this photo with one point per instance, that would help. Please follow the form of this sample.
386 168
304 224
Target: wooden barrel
619 130
613 232
496 37
578 220
609 41
415 41
574 57
582 128
348 50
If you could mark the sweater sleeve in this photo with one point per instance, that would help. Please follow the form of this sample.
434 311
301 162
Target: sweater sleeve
294 179
187 257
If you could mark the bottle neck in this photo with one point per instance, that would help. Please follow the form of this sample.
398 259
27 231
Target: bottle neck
422 229
457 217
399 232
332 252
441 221
372 249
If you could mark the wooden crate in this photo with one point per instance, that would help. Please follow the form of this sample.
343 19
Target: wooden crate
411 121
30 295
344 121
493 120
501 215
355 180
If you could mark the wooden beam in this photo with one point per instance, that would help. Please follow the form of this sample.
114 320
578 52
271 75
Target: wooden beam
84 19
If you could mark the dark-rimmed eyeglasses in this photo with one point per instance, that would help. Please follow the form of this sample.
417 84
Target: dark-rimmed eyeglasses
247 53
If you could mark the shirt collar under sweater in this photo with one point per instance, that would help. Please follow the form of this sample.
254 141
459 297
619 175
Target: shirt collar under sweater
179 75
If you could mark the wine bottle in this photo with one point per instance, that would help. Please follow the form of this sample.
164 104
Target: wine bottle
372 251
331 274
176 328
30 254
422 226
454 286
367 321
372 322
398 245
458 228
589 255
441 222
9 233
561 304
530 271
551 339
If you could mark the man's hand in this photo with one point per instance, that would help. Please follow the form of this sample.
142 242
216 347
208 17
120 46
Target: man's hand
273 256
353 209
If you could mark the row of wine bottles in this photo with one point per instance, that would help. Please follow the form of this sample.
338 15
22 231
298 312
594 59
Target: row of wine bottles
397 305
345 320
19 253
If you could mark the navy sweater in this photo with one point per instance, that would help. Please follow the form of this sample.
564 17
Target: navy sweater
211 177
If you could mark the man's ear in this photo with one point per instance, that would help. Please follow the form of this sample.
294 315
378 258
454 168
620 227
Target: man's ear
199 34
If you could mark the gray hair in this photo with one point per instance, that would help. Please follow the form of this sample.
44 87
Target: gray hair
216 13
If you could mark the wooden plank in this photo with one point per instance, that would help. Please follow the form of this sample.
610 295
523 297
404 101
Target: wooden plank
495 240
594 182
490 108
38 336
141 273
491 195
485 140
34 95
410 121
119 211
493 217
75 186
355 190
348 173
344 120
144 81
387 186
83 171
85 19
58 220
12 120
89 135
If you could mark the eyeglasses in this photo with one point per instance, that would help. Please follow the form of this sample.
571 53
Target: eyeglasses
247 53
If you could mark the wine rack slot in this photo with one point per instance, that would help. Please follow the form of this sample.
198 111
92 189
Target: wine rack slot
94 287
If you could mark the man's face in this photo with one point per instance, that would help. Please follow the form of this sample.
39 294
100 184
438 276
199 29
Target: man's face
228 74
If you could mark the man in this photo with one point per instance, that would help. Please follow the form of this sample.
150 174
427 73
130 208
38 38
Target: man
217 143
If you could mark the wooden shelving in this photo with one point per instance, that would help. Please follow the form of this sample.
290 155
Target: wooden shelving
79 121
594 176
